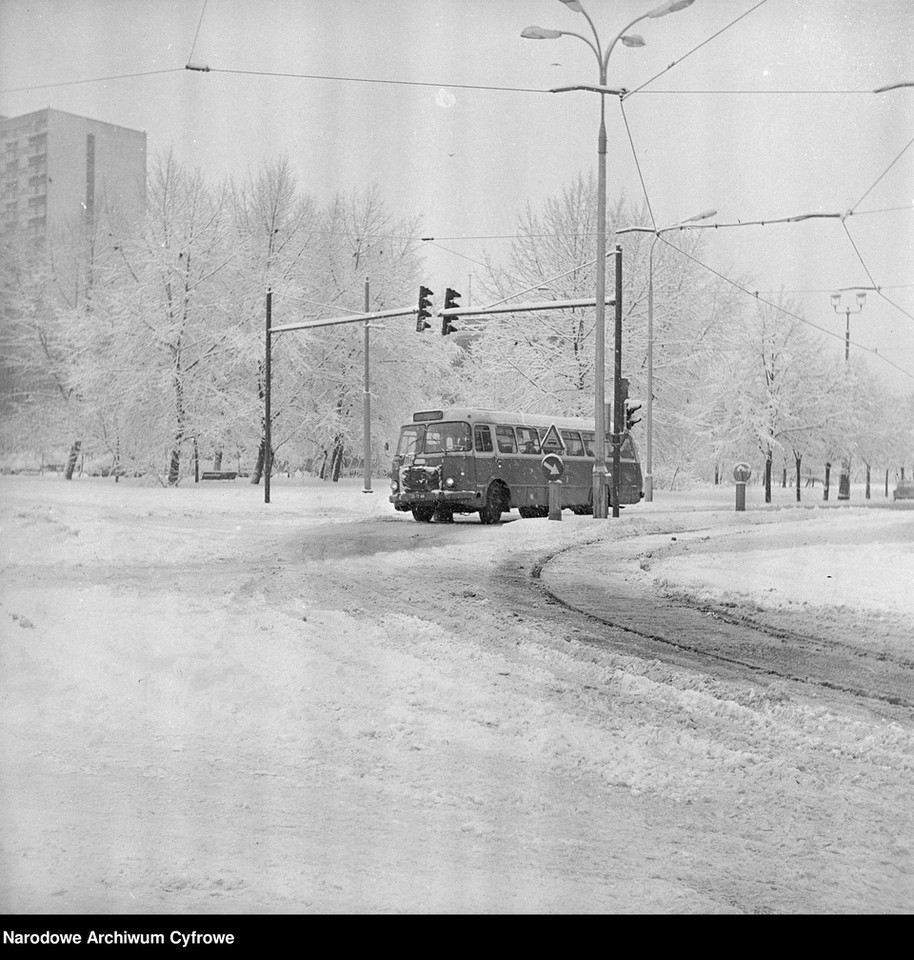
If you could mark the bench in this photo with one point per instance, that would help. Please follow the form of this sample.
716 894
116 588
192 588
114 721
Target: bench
904 490
218 475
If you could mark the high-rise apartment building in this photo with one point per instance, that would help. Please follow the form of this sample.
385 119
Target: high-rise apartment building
59 171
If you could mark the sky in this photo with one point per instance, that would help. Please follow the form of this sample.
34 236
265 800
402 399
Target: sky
759 110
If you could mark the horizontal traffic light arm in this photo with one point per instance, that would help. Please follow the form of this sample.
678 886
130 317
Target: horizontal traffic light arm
454 312
352 318
521 308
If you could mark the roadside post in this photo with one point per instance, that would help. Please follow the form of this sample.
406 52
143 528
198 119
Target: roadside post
553 468
741 474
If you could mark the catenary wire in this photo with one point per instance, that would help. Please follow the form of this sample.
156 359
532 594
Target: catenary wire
700 45
884 172
406 83
876 286
628 131
789 313
190 56
69 83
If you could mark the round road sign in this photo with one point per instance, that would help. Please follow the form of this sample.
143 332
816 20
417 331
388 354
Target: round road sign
742 472
552 465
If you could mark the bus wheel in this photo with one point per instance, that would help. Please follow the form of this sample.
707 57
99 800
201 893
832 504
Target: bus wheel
492 510
423 514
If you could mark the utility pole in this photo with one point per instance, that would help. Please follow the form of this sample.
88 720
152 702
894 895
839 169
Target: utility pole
617 386
366 407
844 481
267 438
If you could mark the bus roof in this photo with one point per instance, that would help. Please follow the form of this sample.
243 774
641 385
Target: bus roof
513 417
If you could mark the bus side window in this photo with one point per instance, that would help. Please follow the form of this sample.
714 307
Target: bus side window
588 443
528 439
573 445
505 439
483 439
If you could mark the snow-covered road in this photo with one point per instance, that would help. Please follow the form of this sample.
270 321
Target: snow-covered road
320 706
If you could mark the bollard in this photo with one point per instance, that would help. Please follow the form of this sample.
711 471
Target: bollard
555 499
741 474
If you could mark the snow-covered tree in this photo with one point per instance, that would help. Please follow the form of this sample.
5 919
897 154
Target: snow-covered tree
545 362
779 394
319 374
170 328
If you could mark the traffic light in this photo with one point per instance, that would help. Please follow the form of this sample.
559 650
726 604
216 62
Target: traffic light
630 410
424 313
450 302
623 389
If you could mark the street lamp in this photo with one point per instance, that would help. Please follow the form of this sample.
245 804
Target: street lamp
844 482
649 404
630 40
835 302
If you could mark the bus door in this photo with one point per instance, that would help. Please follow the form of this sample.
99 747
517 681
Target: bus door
529 487
630 477
484 464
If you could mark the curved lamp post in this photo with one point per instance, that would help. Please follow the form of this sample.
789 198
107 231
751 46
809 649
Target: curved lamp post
649 402
629 40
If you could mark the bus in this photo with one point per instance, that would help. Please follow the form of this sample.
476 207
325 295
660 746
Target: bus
464 460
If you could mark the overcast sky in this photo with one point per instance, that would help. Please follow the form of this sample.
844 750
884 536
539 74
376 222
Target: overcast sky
772 118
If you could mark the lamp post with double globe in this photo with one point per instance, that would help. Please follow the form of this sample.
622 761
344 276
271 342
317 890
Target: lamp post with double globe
630 40
844 481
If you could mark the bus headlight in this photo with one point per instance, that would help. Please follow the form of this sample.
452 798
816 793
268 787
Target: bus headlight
450 483
394 486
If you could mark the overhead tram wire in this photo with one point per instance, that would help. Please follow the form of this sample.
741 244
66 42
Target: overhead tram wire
403 83
69 83
190 56
755 296
578 233
840 216
628 131
876 286
884 172
689 54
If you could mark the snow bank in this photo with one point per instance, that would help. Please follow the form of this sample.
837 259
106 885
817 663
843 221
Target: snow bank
210 703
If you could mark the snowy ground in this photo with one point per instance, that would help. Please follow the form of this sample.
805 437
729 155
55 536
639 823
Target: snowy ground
210 704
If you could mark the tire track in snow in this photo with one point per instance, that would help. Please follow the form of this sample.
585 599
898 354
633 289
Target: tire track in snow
697 631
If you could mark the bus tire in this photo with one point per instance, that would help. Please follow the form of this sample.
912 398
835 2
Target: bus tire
423 514
491 511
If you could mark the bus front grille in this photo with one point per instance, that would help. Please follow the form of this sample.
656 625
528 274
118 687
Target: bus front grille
420 478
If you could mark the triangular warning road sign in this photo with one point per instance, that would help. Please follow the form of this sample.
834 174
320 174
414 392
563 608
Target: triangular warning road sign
552 442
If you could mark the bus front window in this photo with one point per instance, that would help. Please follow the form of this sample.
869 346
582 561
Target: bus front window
448 438
410 439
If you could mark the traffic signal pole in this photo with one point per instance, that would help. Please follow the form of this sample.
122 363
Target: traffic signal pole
267 422
366 406
617 395
367 317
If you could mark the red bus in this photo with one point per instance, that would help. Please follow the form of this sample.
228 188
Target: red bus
464 460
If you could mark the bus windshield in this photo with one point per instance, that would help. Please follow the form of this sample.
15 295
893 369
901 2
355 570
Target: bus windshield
418 438
447 438
410 439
